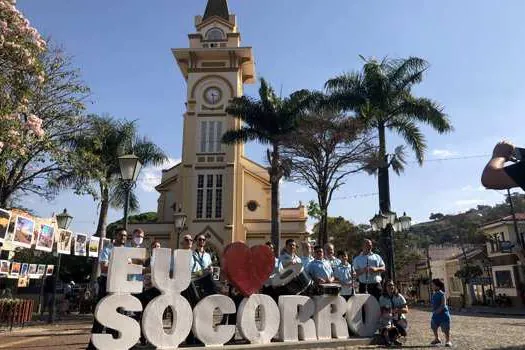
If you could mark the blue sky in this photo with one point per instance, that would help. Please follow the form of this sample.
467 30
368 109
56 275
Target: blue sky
475 49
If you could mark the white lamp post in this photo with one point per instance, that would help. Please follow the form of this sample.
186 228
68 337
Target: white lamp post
129 170
63 221
179 220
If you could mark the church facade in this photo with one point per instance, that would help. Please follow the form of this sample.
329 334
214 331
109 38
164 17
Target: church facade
225 195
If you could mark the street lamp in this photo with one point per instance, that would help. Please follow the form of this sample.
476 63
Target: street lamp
63 221
179 220
129 171
387 223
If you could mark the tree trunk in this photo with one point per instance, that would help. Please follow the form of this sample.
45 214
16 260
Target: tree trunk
382 173
4 198
103 216
276 215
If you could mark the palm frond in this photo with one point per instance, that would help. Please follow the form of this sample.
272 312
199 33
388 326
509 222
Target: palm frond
409 71
244 135
398 161
117 196
148 152
426 111
412 135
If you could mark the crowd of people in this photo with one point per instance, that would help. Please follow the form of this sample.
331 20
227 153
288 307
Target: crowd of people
325 268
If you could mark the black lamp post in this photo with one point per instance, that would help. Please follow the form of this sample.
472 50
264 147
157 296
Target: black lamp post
179 221
63 221
129 170
388 222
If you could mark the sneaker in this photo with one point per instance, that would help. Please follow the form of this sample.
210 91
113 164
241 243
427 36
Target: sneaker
448 344
435 342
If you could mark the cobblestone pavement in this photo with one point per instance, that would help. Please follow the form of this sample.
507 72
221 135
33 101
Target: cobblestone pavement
468 332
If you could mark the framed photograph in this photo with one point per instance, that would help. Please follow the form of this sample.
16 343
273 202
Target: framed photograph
4 267
25 269
105 243
80 244
5 218
15 269
45 236
32 270
23 281
64 240
93 246
40 270
50 269
24 231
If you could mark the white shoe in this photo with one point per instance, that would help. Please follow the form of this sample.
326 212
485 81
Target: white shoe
448 344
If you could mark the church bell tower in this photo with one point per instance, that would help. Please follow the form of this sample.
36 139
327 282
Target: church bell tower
215 67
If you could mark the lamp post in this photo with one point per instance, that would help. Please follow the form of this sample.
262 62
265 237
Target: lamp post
387 222
129 171
179 220
63 221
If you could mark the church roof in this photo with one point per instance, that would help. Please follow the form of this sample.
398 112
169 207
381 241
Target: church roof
217 8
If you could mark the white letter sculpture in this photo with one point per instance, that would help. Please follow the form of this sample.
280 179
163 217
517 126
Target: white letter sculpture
296 318
152 325
203 320
354 315
329 317
119 288
269 319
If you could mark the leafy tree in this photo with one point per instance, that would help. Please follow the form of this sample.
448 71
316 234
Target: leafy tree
322 151
98 174
59 101
142 218
381 97
268 120
436 216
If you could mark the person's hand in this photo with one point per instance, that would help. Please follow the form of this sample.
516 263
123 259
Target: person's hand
503 149
321 280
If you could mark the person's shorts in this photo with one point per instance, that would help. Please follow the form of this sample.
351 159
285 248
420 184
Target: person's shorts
443 322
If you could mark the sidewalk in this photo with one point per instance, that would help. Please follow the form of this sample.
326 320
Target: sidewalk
483 310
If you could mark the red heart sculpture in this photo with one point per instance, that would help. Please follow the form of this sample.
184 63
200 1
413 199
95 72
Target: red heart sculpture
247 268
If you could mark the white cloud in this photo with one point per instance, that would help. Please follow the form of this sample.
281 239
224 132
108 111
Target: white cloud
151 176
444 153
470 188
301 190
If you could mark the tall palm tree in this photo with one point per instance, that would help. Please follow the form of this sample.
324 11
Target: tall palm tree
98 172
268 120
381 96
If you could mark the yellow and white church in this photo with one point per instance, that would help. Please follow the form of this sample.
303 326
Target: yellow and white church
225 195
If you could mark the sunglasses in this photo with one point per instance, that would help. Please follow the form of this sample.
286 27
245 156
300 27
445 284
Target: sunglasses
188 239
201 239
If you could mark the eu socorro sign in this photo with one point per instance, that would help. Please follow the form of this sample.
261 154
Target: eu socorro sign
294 318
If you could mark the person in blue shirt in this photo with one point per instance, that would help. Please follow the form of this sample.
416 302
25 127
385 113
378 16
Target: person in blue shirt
440 313
392 322
306 249
319 269
344 273
289 255
201 259
368 267
329 252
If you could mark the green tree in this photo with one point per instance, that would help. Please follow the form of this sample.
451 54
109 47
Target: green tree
381 97
59 102
268 120
142 218
98 173
322 151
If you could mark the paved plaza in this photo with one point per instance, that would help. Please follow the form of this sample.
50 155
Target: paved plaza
469 332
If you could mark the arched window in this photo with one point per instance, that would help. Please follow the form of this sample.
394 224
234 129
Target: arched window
215 34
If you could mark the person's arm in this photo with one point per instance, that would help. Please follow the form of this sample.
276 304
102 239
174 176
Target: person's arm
380 267
495 175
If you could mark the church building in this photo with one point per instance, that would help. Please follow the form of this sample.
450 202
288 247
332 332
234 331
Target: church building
225 195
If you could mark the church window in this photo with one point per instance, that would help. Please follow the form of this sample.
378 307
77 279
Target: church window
200 195
210 136
209 196
215 34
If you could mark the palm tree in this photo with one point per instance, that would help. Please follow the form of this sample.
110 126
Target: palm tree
381 97
268 120
97 172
